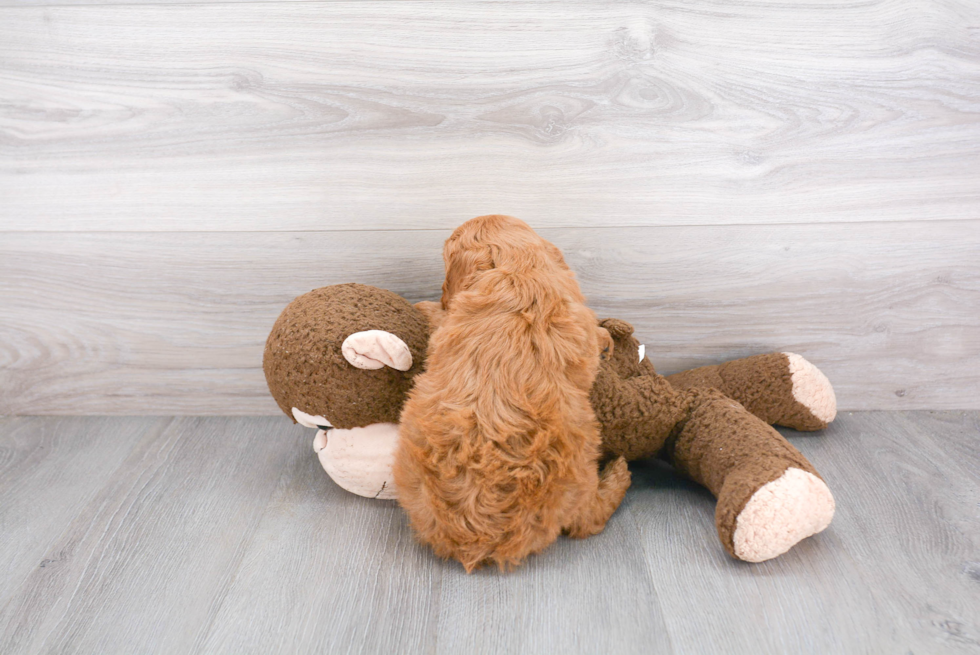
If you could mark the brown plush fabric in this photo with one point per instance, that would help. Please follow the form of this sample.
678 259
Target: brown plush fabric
690 418
702 432
762 384
305 368
636 408
731 452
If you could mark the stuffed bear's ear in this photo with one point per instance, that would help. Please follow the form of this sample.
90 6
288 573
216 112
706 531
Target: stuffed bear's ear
617 328
374 349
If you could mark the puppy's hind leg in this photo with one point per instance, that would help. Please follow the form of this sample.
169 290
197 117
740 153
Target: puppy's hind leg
599 503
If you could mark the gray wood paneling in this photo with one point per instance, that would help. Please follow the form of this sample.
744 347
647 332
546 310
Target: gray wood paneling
224 535
322 116
313 120
175 322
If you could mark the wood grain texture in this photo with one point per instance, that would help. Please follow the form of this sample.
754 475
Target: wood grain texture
144 566
384 115
915 485
327 571
904 542
45 482
321 552
579 596
224 535
175 323
810 600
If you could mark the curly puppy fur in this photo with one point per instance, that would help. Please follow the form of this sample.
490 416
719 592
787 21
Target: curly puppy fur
498 450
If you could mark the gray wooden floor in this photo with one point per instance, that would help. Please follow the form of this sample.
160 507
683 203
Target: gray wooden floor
184 535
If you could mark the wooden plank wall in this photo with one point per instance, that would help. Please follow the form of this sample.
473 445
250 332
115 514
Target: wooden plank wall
732 177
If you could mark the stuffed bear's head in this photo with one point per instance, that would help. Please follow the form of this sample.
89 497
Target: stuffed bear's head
342 359
347 354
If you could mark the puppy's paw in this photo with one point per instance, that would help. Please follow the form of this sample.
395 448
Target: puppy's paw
616 477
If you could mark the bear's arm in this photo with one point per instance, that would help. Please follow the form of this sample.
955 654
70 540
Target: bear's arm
636 414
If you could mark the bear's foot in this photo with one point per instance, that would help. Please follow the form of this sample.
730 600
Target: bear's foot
782 513
813 391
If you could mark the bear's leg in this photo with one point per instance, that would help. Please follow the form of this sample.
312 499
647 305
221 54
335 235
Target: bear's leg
769 496
780 388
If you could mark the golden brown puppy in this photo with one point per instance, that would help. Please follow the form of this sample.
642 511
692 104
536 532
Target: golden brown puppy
498 444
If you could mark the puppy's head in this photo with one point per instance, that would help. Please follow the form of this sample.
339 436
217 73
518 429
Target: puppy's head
489 242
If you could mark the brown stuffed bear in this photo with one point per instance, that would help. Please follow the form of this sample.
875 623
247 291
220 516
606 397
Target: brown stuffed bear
769 496
342 359
333 362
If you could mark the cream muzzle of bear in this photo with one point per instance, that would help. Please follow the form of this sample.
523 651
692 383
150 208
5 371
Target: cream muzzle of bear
360 459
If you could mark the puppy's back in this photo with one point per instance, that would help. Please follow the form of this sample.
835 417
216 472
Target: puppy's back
498 435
